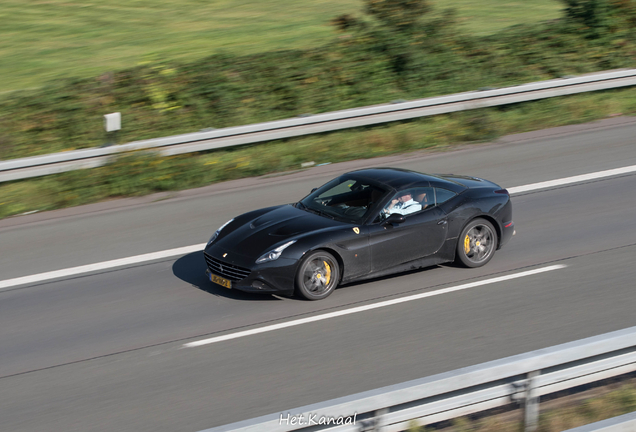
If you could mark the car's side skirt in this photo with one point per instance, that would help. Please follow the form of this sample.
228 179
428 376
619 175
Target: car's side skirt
409 266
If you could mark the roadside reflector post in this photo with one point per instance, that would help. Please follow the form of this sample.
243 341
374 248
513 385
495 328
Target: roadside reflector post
112 124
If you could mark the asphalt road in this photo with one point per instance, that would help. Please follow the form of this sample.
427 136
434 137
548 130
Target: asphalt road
104 351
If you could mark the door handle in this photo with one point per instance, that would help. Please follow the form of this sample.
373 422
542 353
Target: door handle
442 222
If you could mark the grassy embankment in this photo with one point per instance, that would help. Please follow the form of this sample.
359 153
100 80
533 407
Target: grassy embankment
357 67
56 39
563 416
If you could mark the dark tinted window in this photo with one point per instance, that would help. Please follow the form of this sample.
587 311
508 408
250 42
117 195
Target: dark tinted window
443 195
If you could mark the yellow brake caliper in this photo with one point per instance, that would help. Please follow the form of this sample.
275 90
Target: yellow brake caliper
327 273
467 244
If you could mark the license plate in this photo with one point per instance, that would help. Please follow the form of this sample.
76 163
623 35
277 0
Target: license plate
221 281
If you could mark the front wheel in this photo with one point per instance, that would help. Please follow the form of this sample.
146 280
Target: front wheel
477 243
318 275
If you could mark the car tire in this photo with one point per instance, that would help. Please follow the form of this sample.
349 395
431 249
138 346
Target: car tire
317 276
477 243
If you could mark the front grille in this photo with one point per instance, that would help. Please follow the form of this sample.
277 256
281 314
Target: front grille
228 271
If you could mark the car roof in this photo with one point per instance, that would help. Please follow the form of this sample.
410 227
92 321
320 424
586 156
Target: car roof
398 178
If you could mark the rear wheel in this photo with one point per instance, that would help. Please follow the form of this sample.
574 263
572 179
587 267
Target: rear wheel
318 275
477 243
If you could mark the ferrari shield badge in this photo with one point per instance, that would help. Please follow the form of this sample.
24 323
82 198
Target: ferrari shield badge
356 230
225 254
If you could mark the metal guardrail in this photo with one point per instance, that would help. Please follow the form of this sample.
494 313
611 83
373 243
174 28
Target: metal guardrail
518 379
227 137
624 423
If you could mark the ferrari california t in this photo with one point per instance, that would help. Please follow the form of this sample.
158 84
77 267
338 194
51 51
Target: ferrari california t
360 225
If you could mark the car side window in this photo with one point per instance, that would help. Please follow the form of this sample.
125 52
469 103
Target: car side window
443 195
425 196
407 202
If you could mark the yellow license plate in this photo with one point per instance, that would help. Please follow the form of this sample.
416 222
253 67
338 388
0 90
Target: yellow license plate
221 281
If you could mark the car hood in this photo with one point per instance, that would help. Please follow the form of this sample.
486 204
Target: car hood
261 234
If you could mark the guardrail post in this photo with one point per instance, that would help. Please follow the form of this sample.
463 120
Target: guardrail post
376 424
380 419
531 403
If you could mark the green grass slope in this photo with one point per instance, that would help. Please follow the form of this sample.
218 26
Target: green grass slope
47 40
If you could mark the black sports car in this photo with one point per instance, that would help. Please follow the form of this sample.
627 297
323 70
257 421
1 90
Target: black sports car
363 224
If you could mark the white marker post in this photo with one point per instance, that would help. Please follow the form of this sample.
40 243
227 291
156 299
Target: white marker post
112 124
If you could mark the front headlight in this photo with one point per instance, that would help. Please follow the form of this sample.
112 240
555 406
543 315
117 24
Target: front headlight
275 253
216 234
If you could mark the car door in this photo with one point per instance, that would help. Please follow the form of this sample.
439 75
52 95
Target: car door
420 235
352 244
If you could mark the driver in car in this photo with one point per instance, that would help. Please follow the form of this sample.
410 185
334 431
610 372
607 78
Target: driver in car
403 203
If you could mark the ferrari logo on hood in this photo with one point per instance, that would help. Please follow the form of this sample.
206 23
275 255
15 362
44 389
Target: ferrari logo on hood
356 230
225 254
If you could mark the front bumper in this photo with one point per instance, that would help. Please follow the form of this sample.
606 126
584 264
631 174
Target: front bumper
245 275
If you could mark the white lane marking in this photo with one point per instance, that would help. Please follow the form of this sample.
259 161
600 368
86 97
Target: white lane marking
179 251
574 179
368 307
100 266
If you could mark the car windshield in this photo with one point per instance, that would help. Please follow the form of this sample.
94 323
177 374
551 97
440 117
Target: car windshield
345 199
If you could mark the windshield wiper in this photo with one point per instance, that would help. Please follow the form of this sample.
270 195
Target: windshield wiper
302 206
322 213
315 211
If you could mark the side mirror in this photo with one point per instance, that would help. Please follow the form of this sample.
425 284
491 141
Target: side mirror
313 190
393 219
